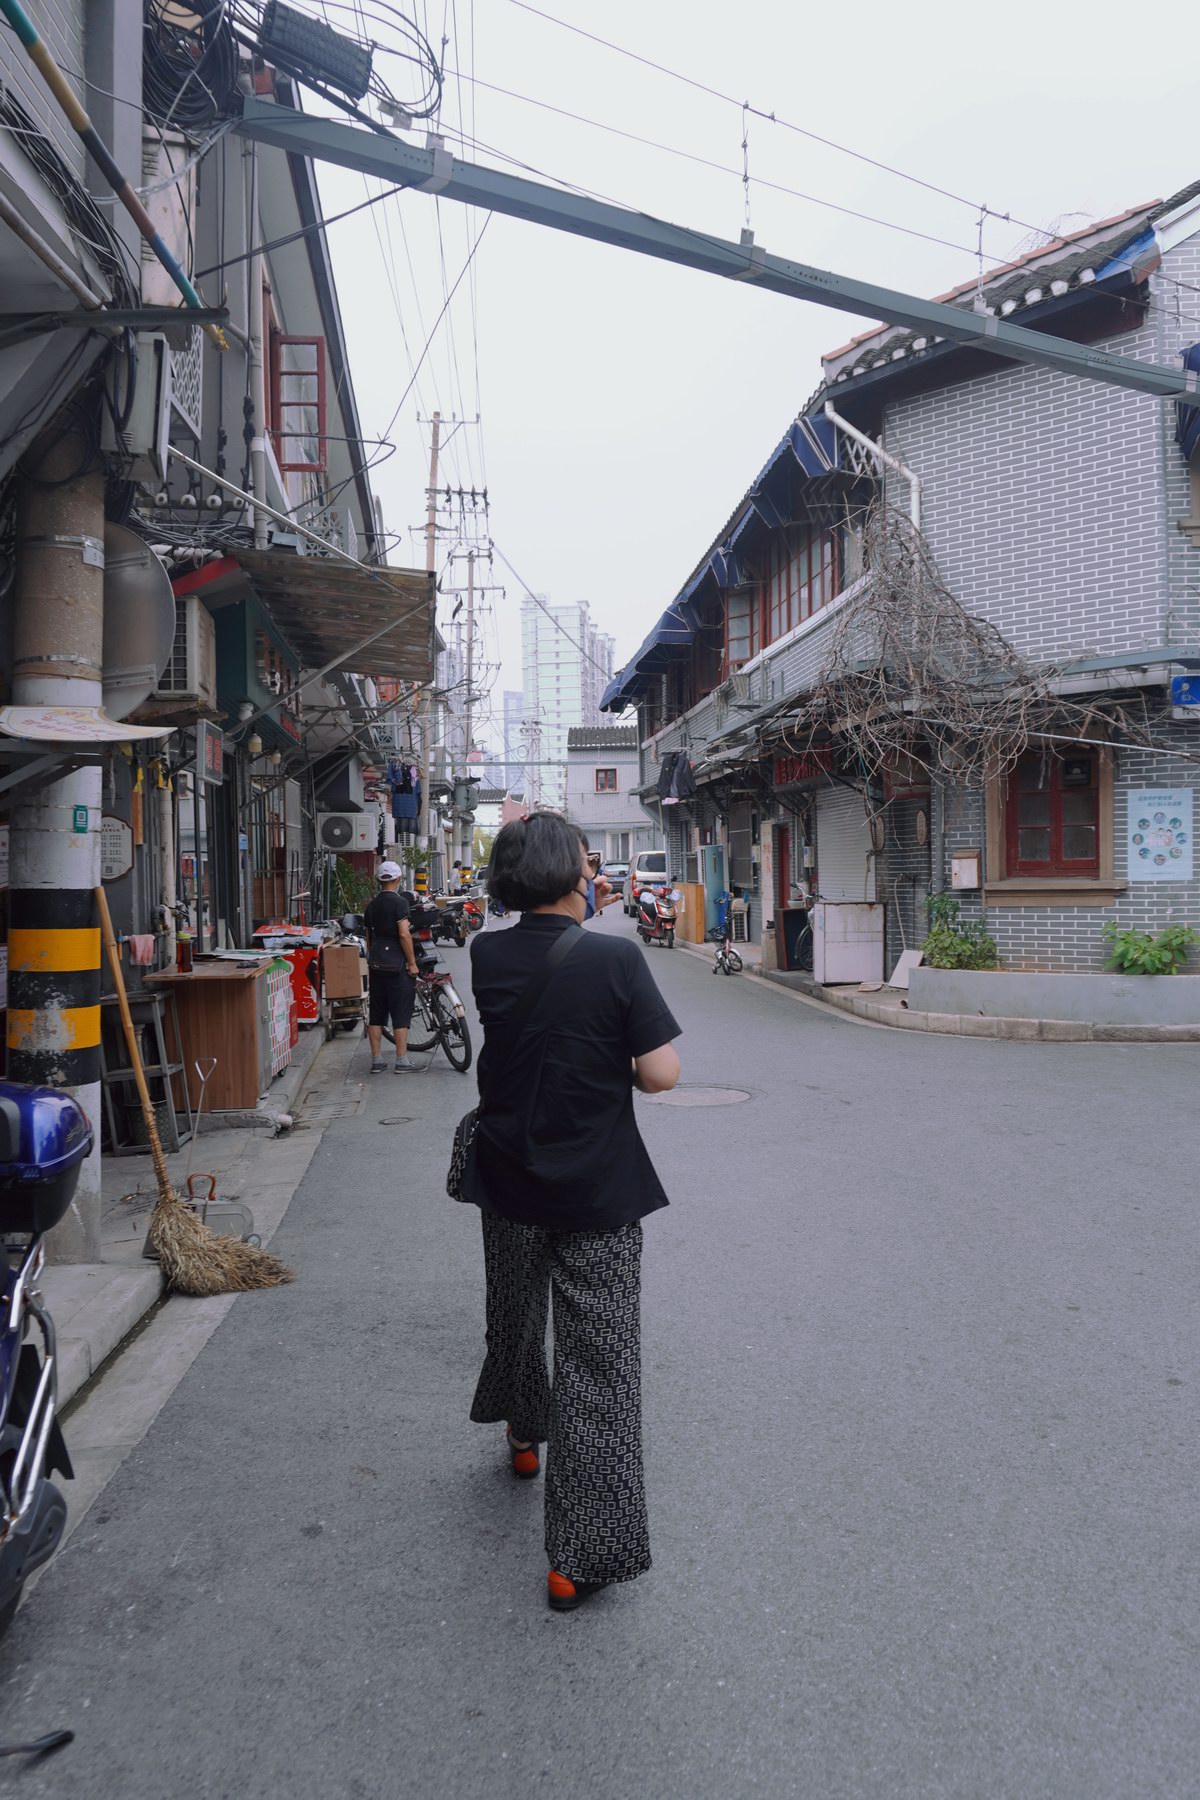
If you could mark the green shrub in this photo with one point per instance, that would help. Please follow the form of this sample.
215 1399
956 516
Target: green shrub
1144 953
951 944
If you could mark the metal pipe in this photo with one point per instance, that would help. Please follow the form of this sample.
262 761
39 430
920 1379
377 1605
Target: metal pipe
61 270
258 386
434 170
881 455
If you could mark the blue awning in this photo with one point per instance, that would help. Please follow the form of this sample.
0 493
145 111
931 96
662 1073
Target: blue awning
1136 258
810 442
1187 418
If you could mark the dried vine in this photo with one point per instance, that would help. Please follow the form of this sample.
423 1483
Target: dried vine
910 677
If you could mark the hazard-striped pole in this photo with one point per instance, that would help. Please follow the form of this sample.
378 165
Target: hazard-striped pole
53 1027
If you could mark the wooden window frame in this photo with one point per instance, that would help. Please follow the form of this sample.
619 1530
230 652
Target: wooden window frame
790 595
281 406
1057 866
1006 886
606 787
752 598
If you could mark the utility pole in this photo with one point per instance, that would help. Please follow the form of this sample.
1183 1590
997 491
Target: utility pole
53 1032
424 702
467 851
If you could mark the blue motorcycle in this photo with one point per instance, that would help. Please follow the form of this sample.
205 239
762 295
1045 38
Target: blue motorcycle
44 1139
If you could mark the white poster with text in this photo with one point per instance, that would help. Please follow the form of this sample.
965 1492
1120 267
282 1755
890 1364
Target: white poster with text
1159 835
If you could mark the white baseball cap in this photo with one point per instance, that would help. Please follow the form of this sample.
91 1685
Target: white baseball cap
389 871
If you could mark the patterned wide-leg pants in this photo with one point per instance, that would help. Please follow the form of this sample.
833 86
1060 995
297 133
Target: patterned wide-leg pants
590 1416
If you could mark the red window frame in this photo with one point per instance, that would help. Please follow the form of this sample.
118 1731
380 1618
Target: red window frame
606 781
801 578
282 405
1041 794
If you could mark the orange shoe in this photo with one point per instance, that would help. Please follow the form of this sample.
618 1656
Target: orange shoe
526 1462
564 1595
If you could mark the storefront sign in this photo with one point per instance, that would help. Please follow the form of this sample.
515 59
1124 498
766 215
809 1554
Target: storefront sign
791 770
1159 835
116 848
210 754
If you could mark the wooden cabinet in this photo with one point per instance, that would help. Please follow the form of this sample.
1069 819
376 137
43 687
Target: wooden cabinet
223 1013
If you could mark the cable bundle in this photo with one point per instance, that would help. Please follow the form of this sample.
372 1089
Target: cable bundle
189 70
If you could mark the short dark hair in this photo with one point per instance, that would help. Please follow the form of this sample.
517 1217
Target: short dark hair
534 862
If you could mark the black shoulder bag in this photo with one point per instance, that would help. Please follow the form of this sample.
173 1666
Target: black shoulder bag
462 1156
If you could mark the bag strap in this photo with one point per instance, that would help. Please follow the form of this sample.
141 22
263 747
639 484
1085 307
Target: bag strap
540 979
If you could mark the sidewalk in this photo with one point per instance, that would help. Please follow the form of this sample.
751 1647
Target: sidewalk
889 1006
95 1305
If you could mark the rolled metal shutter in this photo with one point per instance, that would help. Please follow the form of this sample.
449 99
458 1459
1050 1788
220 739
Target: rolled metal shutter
845 865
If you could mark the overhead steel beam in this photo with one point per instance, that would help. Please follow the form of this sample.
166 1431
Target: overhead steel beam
435 171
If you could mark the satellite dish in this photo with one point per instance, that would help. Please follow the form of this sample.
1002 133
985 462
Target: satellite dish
139 621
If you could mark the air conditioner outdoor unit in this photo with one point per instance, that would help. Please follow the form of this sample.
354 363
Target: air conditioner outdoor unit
191 673
347 831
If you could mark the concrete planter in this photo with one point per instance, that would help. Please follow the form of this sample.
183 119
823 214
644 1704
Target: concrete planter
1152 1000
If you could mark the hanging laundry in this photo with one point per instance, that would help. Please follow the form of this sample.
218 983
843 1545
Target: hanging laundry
676 781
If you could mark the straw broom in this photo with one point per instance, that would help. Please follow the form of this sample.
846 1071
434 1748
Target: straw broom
193 1258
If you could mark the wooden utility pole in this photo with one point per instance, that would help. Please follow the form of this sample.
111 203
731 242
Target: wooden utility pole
468 831
424 702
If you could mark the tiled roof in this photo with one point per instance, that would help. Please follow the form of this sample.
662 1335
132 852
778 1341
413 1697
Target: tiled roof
602 737
1068 263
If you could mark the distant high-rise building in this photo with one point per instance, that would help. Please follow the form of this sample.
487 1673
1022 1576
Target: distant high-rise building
514 712
567 664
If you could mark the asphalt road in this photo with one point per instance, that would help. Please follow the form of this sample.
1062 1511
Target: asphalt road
921 1420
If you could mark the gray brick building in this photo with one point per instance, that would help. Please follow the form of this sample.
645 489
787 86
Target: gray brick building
602 781
1062 512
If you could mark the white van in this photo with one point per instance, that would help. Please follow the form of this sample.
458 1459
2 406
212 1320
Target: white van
647 869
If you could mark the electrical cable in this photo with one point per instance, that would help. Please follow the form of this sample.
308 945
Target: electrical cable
189 71
774 118
558 625
705 162
385 435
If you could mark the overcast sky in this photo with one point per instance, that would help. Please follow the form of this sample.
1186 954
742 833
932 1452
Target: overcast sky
627 404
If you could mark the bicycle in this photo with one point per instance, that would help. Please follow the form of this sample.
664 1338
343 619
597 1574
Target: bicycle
726 960
442 1016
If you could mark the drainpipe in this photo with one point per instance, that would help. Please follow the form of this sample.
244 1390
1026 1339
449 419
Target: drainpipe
881 455
258 391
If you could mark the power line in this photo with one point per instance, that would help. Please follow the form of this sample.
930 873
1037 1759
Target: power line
557 623
775 118
706 162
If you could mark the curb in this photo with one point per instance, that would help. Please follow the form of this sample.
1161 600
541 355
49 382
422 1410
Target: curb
94 1307
1044 1031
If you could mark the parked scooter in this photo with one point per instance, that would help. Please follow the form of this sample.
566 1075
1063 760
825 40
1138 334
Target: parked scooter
656 915
44 1139
475 912
450 925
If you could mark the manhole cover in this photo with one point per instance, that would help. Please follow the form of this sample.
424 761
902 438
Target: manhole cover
404 1119
699 1096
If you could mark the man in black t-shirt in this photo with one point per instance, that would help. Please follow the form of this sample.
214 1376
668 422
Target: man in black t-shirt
392 968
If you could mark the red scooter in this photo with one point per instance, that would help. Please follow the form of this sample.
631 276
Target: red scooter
656 916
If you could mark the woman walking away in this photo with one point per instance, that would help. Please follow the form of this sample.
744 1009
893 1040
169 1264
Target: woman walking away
572 1023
